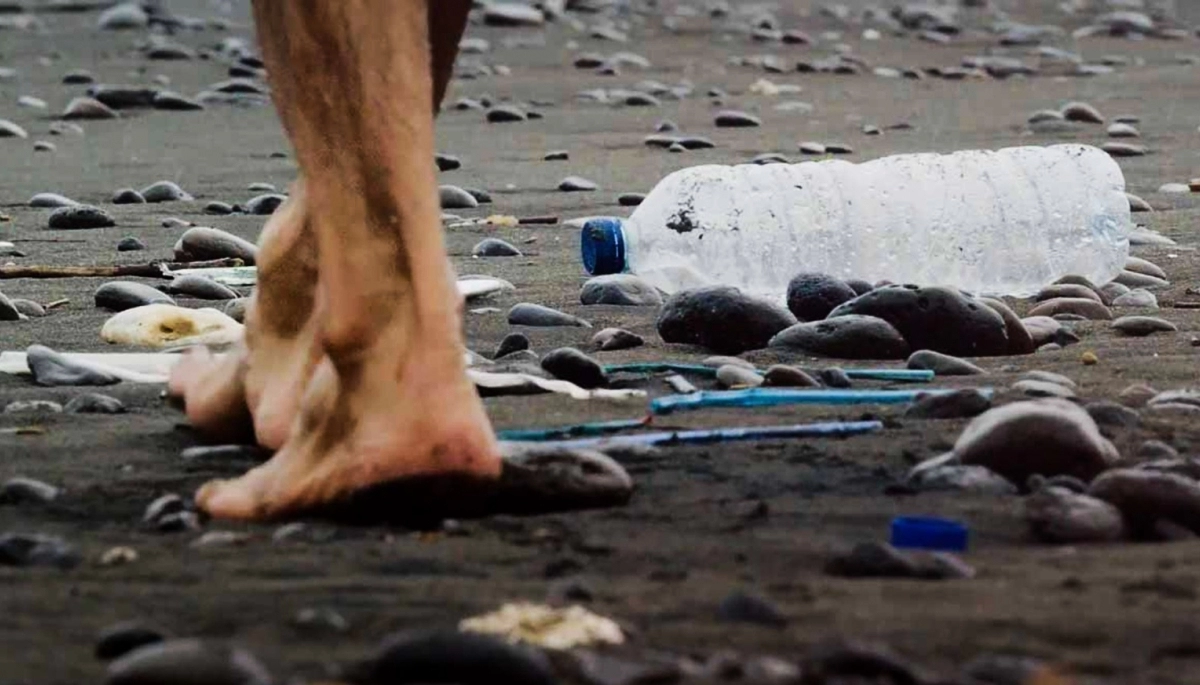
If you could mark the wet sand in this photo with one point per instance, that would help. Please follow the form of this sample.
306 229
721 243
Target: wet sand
1122 613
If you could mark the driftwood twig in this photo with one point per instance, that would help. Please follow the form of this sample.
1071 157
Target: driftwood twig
151 270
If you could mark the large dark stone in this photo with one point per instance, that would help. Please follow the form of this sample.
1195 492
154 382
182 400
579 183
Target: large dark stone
722 319
934 318
845 337
812 296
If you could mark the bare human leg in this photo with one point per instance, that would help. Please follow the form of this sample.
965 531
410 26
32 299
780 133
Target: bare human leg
389 398
255 390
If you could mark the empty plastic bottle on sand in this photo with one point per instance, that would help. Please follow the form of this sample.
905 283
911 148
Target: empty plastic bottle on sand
1004 222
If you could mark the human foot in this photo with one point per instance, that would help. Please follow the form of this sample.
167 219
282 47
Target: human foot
255 389
390 412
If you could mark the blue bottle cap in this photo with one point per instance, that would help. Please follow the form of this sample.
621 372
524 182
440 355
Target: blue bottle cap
602 246
916 532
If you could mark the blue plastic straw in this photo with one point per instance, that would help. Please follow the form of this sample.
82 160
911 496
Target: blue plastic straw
770 397
832 429
901 375
562 432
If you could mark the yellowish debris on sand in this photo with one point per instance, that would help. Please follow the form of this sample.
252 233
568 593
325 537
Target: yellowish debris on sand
545 626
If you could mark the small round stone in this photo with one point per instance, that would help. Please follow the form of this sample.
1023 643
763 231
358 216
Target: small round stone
1083 112
736 376
165 191
611 339
736 119
505 114
94 403
577 184
128 196
495 247
76 217
453 197
811 296
844 337
265 204
1047 437
87 108
630 199
1140 326
942 364
620 289
569 364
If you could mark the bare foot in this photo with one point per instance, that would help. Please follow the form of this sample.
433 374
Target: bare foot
255 389
387 413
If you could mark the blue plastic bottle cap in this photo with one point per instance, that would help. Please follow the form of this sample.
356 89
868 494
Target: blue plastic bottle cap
916 532
602 246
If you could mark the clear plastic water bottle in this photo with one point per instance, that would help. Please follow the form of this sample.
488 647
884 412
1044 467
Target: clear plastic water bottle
1004 222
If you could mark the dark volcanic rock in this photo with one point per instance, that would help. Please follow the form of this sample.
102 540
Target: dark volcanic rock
934 318
722 319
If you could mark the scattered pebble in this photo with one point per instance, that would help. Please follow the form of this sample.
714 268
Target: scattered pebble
960 404
76 217
50 368
1067 290
128 196
1037 388
942 364
32 407
1047 437
1124 149
620 289
1113 415
94 403
201 243
125 15
512 14
1087 308
1137 395
1061 516
495 247
881 560
1147 497
21 490
736 119
505 114
811 296
1141 326
1133 279
785 376
10 130
117 296
569 364
934 318
528 314
31 549
453 197
576 184
119 639
85 108
174 102
165 191
851 336
51 200
630 199
734 376
185 661
612 339
454 656
199 287
265 204
1083 112
721 319
1138 297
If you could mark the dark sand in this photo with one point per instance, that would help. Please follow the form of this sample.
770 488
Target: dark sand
1113 614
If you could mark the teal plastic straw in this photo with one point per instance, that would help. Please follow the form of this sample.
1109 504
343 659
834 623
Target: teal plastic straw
832 429
562 432
770 397
901 375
